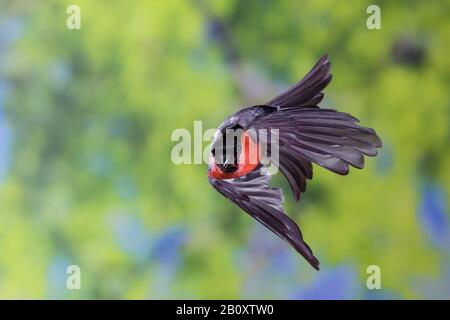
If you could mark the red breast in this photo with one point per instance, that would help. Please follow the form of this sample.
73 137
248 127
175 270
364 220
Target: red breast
248 160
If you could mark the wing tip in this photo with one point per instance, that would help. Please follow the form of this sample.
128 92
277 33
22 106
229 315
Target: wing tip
315 263
316 267
324 58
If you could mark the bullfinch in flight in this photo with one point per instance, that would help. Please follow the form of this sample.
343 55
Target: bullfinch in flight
306 134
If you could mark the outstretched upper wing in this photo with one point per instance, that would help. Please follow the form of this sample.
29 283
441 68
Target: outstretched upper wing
329 138
309 134
254 195
308 91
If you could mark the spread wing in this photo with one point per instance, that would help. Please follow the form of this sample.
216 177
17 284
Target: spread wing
254 195
331 139
309 134
308 91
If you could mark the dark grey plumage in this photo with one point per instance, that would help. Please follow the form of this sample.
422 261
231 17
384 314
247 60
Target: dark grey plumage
307 134
253 194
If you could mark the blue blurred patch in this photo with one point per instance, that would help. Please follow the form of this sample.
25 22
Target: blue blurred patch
434 217
382 294
57 277
270 267
60 74
166 247
118 126
435 287
100 164
10 30
166 258
339 283
126 188
146 247
5 135
131 237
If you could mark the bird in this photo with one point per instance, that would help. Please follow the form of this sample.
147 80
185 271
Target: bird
307 134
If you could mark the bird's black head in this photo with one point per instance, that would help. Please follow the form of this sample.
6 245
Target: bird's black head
226 148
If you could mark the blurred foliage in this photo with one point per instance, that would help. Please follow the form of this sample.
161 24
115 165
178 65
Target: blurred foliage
89 178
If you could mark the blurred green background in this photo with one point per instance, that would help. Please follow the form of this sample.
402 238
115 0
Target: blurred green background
86 177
